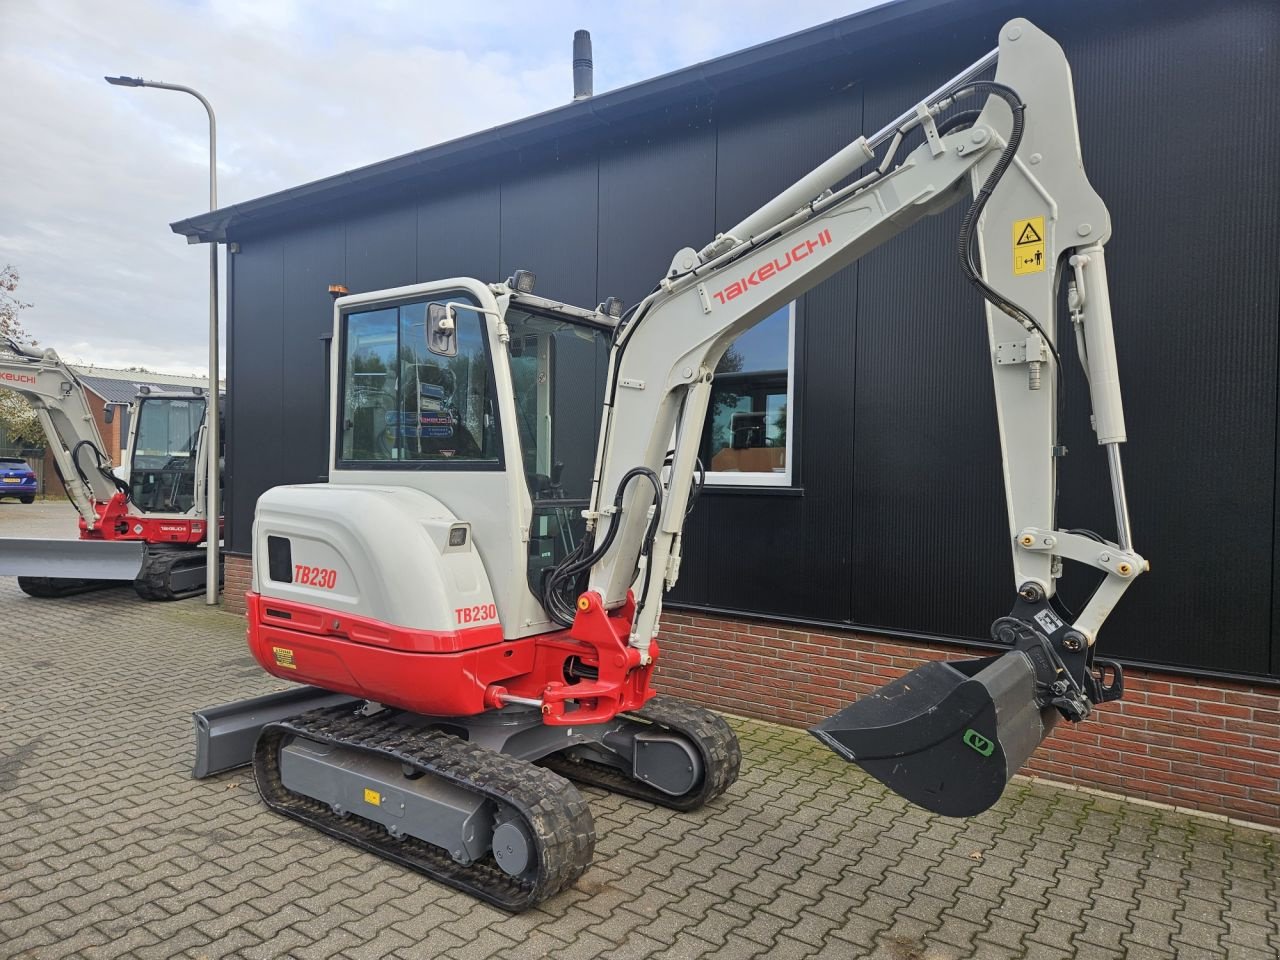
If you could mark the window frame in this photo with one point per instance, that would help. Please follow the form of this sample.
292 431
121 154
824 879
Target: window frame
441 296
739 479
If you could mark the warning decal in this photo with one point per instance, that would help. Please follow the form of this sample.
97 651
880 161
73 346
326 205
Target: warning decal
372 797
284 658
1028 246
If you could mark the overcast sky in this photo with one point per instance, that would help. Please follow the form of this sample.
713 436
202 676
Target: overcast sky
91 175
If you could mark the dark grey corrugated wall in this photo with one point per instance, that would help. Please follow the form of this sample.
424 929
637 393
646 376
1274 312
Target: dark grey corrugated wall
896 519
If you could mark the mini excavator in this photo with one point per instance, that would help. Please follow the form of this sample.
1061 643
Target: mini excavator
143 521
470 641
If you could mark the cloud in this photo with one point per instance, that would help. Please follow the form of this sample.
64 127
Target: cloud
91 175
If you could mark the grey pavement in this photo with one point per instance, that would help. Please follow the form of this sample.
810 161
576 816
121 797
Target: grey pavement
109 849
50 519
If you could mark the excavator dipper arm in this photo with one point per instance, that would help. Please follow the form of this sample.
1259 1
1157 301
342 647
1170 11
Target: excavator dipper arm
1033 217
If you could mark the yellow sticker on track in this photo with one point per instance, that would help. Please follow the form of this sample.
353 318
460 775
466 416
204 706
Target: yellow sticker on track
373 797
1028 246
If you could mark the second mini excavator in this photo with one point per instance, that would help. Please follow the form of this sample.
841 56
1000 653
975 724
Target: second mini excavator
472 640
144 523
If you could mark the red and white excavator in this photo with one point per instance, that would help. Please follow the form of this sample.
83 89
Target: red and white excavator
471 640
142 522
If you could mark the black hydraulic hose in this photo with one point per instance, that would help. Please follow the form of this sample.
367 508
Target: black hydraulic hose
568 572
958 121
102 459
968 227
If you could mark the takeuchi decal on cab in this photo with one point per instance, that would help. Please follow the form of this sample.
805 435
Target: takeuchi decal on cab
774 267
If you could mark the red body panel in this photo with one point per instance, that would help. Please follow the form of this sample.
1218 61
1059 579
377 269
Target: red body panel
116 522
454 673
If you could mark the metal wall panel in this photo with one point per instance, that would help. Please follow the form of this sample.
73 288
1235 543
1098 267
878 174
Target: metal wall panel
657 195
255 387
458 235
382 249
1194 289
313 259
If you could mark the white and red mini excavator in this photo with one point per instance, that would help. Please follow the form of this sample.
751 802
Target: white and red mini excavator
471 640
142 522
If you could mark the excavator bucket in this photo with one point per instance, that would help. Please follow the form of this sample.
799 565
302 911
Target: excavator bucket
947 735
71 559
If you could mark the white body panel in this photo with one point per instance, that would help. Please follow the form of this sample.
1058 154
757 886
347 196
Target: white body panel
388 546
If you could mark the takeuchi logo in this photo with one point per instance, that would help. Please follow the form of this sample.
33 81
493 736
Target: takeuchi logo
774 267
8 377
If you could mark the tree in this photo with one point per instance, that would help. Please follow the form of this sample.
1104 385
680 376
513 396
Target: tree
11 306
17 418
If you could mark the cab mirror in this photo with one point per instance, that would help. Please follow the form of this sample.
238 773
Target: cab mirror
109 414
442 334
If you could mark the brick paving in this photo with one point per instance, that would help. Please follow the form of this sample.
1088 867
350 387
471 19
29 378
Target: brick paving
109 849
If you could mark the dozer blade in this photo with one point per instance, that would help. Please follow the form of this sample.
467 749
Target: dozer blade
71 559
947 736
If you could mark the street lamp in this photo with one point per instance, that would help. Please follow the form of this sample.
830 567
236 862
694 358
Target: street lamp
213 528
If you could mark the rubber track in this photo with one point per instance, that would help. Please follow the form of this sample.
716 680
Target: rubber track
154 579
553 811
713 738
47 588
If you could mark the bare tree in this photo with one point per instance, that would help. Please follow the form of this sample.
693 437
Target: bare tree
17 418
11 306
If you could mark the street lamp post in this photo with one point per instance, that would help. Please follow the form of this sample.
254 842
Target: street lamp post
213 527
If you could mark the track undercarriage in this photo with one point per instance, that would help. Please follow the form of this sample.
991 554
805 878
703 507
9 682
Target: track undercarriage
484 803
167 573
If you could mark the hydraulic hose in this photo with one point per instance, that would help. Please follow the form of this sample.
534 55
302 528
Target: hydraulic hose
565 578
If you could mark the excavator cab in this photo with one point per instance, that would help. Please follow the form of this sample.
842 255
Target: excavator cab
164 452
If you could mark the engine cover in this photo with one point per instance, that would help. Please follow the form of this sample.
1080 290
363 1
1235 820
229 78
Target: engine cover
393 555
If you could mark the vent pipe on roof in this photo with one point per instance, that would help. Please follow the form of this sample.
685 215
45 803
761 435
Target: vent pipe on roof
581 64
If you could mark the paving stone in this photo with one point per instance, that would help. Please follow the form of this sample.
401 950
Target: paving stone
804 857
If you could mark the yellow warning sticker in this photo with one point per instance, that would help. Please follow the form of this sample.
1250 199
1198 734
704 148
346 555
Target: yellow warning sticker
284 658
1028 246
373 797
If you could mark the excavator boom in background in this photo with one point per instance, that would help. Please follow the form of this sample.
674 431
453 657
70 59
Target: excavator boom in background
477 627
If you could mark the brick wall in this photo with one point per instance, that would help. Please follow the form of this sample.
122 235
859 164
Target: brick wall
1210 745
237 572
113 441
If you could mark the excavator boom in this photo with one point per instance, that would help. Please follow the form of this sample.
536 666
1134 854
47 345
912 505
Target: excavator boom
1033 218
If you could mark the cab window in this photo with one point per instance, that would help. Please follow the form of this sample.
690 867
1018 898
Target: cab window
405 405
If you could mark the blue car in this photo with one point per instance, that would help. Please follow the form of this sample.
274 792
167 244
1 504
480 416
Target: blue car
17 480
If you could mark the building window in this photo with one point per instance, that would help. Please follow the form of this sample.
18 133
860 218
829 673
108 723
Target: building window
748 435
401 401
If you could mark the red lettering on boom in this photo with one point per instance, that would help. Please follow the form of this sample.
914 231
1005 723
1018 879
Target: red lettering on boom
772 268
